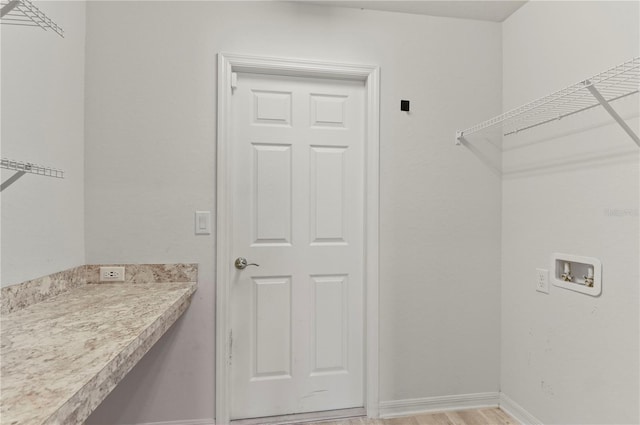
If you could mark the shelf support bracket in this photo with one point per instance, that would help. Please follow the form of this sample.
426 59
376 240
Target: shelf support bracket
8 7
594 91
11 180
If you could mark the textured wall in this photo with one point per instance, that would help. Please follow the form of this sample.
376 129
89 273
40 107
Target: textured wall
150 156
571 187
43 123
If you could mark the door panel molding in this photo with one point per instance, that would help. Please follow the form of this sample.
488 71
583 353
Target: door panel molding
227 65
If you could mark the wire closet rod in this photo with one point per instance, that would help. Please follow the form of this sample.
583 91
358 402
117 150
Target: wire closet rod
27 167
25 13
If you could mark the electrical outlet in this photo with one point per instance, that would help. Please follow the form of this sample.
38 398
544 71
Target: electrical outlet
542 280
111 274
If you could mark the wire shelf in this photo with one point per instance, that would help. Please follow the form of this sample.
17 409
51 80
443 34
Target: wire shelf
25 13
27 167
601 89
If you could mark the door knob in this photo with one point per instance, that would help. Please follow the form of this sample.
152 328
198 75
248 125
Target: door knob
242 263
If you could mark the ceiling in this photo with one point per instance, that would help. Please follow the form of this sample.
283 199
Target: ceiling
496 11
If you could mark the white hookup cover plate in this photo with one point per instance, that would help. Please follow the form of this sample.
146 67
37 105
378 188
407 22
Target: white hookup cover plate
579 267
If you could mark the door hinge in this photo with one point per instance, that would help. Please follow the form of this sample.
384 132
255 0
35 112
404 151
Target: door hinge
234 80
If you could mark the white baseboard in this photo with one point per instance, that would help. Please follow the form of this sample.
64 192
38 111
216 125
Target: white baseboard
390 409
188 422
517 411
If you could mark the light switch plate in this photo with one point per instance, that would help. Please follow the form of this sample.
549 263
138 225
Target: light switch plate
203 223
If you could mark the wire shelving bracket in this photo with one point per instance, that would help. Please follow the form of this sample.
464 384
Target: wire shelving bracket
23 168
600 90
23 12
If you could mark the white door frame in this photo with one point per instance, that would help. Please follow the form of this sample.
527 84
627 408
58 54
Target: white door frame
228 64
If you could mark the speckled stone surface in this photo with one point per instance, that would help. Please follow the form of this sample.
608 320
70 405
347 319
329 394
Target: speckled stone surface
15 297
62 356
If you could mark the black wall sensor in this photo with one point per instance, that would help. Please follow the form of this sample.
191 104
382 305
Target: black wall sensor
404 105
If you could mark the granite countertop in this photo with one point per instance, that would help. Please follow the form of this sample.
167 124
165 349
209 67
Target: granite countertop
62 356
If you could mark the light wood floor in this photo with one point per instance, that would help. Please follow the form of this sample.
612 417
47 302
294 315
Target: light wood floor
488 416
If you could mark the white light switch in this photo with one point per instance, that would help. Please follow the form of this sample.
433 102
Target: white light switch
203 222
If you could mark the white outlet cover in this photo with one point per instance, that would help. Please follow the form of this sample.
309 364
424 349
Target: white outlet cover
112 274
542 280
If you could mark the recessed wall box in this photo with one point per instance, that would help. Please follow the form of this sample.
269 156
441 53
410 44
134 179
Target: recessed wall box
576 273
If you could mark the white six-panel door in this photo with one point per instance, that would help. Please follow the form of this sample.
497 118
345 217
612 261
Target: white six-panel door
298 180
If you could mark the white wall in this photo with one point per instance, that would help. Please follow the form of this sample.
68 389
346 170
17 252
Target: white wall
150 155
569 358
43 123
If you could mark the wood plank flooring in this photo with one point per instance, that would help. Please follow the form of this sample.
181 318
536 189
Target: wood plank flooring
488 416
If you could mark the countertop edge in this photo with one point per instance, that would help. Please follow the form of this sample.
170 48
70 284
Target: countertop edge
80 406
